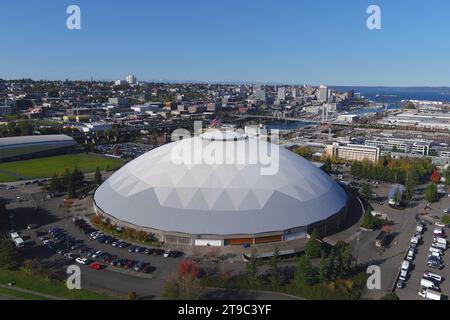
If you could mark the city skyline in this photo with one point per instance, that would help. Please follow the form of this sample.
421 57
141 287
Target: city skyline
311 42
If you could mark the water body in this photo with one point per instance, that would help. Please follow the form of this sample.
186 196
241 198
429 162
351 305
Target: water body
396 94
286 125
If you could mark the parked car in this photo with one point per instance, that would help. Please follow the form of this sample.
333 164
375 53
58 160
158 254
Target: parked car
139 249
147 268
132 249
70 256
401 284
433 276
166 254
83 261
97 254
157 252
148 251
123 245
96 266
139 266
129 264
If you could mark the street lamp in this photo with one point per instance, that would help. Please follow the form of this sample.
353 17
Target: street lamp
357 247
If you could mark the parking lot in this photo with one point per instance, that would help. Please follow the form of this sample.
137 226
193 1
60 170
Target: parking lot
28 205
419 264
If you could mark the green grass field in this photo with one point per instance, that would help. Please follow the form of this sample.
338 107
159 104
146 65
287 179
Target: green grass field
6 178
46 167
10 293
43 285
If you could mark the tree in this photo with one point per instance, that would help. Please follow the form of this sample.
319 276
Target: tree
313 247
3 216
345 258
251 269
328 167
390 296
188 268
71 192
305 274
171 290
132 295
8 256
397 196
446 219
431 193
368 221
274 273
366 191
410 187
55 183
98 176
446 175
435 177
329 267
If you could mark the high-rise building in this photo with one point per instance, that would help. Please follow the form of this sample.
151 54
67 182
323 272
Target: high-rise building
323 94
260 95
131 79
281 93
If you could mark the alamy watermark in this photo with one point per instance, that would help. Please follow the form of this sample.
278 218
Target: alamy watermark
74 280
238 148
73 21
374 280
374 20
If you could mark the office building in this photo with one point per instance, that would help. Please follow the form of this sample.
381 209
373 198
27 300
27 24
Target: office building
353 152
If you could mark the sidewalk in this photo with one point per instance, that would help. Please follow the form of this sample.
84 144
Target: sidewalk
38 294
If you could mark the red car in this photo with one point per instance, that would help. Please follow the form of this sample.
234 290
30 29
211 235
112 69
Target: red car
96 266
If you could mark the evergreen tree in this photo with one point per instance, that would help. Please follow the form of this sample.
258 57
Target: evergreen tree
369 221
98 176
431 193
3 216
55 183
329 265
328 167
344 252
252 269
410 187
274 273
367 192
305 274
8 257
71 191
313 247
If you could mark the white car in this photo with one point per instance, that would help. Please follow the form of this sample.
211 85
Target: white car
433 276
83 261
440 225
435 254
437 250
166 254
403 275
97 254
415 239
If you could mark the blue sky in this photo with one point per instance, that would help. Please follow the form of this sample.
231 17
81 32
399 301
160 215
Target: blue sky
293 41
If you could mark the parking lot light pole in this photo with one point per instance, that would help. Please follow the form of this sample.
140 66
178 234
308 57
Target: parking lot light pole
357 247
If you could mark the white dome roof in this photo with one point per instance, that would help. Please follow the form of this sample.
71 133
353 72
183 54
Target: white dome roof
158 192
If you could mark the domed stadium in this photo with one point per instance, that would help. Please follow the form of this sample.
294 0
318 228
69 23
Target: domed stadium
222 203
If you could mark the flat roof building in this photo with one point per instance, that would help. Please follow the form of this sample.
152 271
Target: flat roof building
353 152
401 145
18 148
